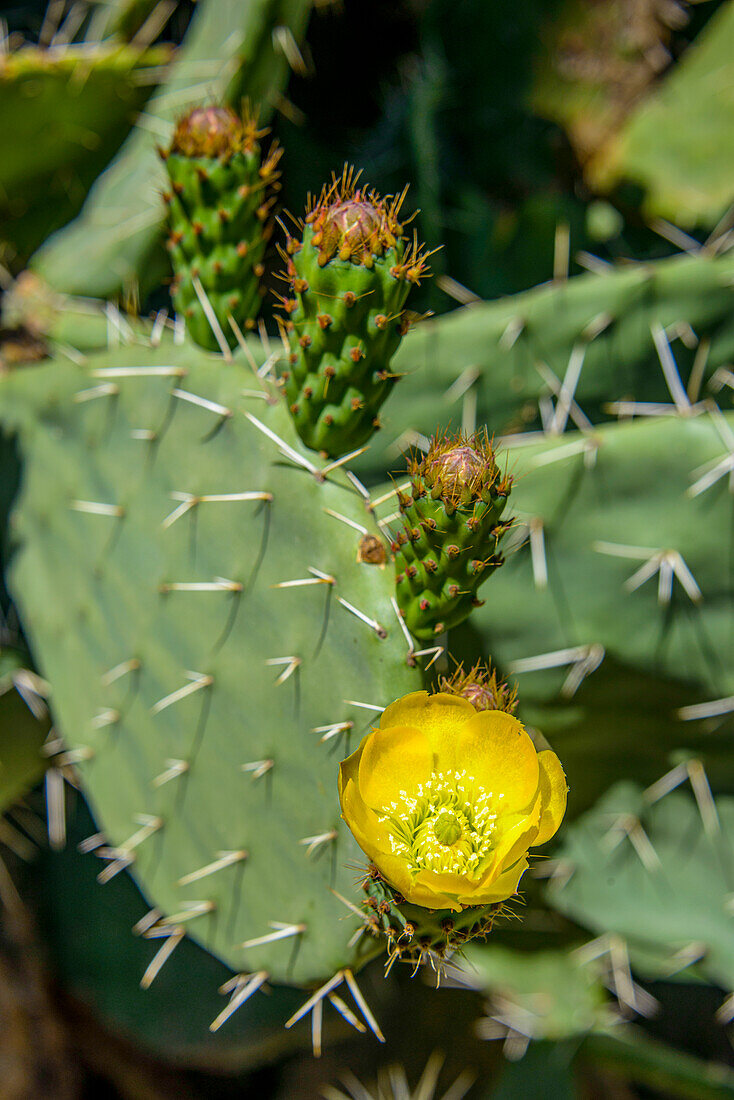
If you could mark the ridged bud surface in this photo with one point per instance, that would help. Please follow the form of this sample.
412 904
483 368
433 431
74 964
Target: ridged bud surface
348 278
220 202
452 528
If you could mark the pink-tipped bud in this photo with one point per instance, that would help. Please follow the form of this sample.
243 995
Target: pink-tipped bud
208 132
460 465
481 687
457 468
351 228
354 223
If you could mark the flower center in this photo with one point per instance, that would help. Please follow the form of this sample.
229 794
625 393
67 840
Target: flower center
447 829
444 825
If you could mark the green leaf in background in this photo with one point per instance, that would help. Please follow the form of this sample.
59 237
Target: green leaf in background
621 723
544 1073
678 144
632 562
492 362
632 1056
65 113
657 874
595 61
549 994
22 733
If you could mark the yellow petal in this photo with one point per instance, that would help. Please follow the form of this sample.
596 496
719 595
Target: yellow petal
393 760
369 832
496 751
439 717
349 768
499 890
518 833
425 889
553 791
395 870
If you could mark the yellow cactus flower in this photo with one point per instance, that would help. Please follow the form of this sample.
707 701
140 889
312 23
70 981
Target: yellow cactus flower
446 800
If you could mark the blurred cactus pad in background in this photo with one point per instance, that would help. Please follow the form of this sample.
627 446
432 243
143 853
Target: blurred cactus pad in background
367 601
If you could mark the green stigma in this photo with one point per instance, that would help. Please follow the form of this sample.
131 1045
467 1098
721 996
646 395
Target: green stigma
447 829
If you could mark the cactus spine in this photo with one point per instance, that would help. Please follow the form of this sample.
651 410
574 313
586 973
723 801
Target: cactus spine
451 532
481 685
220 203
348 279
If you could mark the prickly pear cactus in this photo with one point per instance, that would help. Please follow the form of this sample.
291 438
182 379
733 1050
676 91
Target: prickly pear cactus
191 587
348 277
451 533
220 201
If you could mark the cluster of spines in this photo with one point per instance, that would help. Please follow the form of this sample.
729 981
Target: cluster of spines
452 528
416 935
482 686
220 202
348 277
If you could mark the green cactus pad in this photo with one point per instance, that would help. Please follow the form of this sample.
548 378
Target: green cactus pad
493 362
65 112
219 201
451 533
209 708
349 278
665 892
628 556
86 932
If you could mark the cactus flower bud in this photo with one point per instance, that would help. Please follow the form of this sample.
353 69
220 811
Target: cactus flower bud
457 496
353 260
209 132
219 211
482 687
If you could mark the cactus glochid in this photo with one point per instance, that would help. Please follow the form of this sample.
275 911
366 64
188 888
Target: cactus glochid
348 279
220 204
451 531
